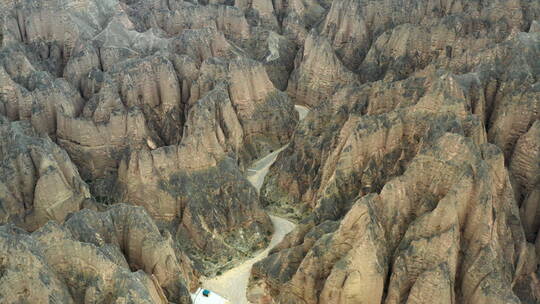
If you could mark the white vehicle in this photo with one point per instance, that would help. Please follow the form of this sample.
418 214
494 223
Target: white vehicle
205 296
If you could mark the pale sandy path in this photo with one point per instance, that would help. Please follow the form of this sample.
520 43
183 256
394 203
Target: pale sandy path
302 111
232 284
259 170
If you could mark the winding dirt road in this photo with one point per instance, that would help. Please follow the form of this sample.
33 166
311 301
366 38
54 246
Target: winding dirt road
232 284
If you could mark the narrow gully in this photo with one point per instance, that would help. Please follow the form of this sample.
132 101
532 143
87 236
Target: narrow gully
232 284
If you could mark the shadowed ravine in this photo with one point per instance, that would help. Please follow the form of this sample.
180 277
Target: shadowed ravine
233 283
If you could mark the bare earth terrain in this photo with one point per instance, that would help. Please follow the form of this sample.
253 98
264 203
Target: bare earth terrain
147 146
233 283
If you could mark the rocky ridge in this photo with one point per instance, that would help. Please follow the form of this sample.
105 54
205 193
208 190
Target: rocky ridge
127 127
437 89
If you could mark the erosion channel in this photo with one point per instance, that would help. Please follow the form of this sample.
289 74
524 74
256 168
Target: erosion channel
232 284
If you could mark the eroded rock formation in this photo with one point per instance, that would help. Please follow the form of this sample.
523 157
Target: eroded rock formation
38 182
428 96
127 127
117 256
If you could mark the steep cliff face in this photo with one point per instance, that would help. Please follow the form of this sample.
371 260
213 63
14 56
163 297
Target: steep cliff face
38 181
413 179
414 230
179 185
114 256
319 73
146 81
160 105
131 238
427 84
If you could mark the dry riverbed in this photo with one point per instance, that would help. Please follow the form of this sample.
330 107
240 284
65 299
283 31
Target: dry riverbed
232 284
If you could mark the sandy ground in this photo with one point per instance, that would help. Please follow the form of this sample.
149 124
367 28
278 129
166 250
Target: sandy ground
302 111
259 170
232 284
